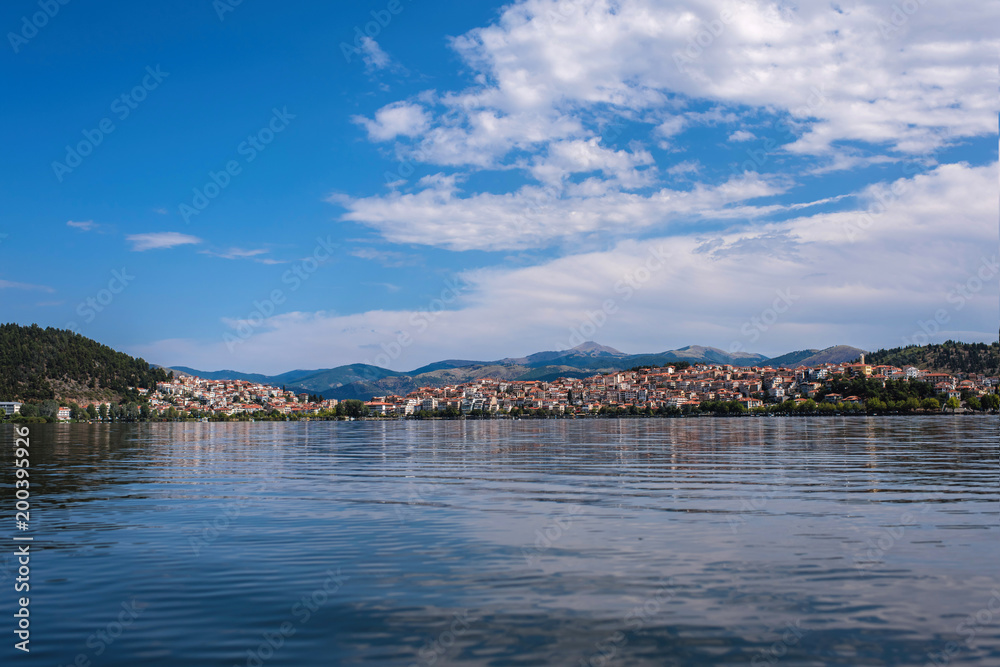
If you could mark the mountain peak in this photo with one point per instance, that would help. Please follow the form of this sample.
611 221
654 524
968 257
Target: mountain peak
590 347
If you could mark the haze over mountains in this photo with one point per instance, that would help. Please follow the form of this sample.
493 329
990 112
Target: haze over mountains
364 381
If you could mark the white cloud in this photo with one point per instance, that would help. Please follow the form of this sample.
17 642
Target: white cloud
243 253
160 240
565 158
372 54
550 77
388 258
7 284
685 167
864 277
399 119
828 67
537 217
85 226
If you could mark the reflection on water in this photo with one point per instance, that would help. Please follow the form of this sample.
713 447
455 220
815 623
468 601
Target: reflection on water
855 541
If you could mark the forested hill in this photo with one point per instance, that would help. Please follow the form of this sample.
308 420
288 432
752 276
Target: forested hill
948 357
38 363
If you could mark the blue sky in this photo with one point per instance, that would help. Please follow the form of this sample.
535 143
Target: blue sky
410 181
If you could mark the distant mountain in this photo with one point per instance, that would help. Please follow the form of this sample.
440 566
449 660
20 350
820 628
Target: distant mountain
364 381
838 354
448 363
222 375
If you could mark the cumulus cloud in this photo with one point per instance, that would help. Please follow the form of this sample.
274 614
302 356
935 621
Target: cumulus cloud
398 119
848 89
861 276
836 68
438 214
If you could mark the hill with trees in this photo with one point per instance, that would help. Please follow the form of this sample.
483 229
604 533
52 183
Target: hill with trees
947 357
43 364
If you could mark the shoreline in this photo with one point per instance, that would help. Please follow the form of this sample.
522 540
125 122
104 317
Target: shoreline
706 415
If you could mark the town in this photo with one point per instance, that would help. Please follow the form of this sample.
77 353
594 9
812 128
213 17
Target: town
666 390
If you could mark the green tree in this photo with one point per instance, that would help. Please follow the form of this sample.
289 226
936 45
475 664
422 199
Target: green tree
954 404
875 405
102 411
352 408
29 410
49 409
931 404
973 403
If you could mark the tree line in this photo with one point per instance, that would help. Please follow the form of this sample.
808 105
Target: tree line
34 362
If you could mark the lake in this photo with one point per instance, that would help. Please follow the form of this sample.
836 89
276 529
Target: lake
753 541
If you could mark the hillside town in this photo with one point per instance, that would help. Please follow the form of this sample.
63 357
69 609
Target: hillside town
641 390
661 388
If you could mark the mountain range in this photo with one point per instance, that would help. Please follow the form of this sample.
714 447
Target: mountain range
362 381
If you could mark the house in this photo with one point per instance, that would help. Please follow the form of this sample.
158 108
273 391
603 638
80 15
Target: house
10 407
64 414
833 398
379 407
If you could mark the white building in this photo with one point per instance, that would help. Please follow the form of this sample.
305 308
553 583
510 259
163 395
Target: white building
10 407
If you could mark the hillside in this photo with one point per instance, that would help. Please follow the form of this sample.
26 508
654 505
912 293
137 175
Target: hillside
948 357
39 364
589 358
838 354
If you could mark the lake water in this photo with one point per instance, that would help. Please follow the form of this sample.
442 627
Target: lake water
758 541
